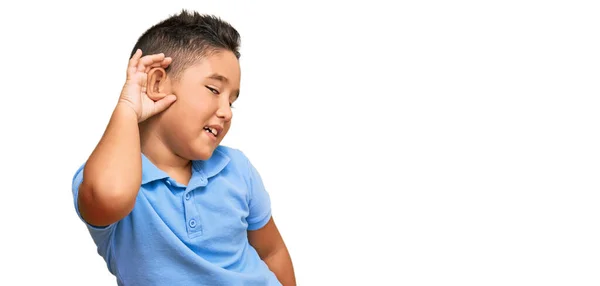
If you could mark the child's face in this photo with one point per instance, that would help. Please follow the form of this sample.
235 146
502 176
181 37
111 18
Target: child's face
205 92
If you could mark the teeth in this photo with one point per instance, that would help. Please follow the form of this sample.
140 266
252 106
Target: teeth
211 130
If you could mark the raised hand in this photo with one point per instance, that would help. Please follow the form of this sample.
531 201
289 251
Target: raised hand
134 90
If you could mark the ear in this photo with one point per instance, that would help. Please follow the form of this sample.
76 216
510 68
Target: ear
157 84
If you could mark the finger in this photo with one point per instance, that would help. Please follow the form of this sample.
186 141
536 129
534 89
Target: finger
166 62
143 82
161 105
149 60
162 64
135 58
133 62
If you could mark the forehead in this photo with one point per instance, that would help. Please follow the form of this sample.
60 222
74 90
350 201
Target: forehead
223 63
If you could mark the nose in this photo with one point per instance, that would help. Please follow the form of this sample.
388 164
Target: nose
224 110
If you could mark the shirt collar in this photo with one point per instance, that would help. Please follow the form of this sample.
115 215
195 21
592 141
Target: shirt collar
211 167
215 164
150 172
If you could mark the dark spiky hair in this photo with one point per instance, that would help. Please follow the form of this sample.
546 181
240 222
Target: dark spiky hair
187 37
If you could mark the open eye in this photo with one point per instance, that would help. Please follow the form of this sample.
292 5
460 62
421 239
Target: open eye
212 90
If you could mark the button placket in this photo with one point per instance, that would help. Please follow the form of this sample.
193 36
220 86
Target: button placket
194 228
193 220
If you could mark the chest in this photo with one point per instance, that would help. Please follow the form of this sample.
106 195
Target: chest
210 216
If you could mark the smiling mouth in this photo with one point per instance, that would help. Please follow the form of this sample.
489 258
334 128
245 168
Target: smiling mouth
212 131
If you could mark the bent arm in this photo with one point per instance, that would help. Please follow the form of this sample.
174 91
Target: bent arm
272 250
113 173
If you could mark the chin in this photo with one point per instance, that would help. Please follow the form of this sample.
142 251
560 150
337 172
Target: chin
202 153
201 149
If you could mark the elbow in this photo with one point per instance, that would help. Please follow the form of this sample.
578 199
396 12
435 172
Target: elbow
104 204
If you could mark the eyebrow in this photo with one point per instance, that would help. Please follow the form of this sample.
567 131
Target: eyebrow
218 77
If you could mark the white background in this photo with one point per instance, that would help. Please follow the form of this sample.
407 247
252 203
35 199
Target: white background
434 143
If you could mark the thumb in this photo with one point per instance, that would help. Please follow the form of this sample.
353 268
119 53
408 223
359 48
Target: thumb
161 105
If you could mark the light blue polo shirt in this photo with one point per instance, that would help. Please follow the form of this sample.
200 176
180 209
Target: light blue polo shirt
189 235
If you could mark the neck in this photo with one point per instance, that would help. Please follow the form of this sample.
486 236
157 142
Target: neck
154 147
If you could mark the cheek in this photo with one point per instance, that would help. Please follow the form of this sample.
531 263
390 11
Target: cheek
191 114
227 127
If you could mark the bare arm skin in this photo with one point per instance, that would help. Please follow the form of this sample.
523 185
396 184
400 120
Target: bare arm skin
112 174
272 250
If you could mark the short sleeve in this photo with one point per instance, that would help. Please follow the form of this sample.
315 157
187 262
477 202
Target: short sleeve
259 202
100 235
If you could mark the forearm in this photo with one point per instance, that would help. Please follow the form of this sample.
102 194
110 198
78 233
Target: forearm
280 263
112 174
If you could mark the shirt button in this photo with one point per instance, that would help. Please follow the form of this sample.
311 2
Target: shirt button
169 183
192 223
187 196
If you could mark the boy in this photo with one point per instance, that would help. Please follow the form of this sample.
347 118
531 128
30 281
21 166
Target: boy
163 201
